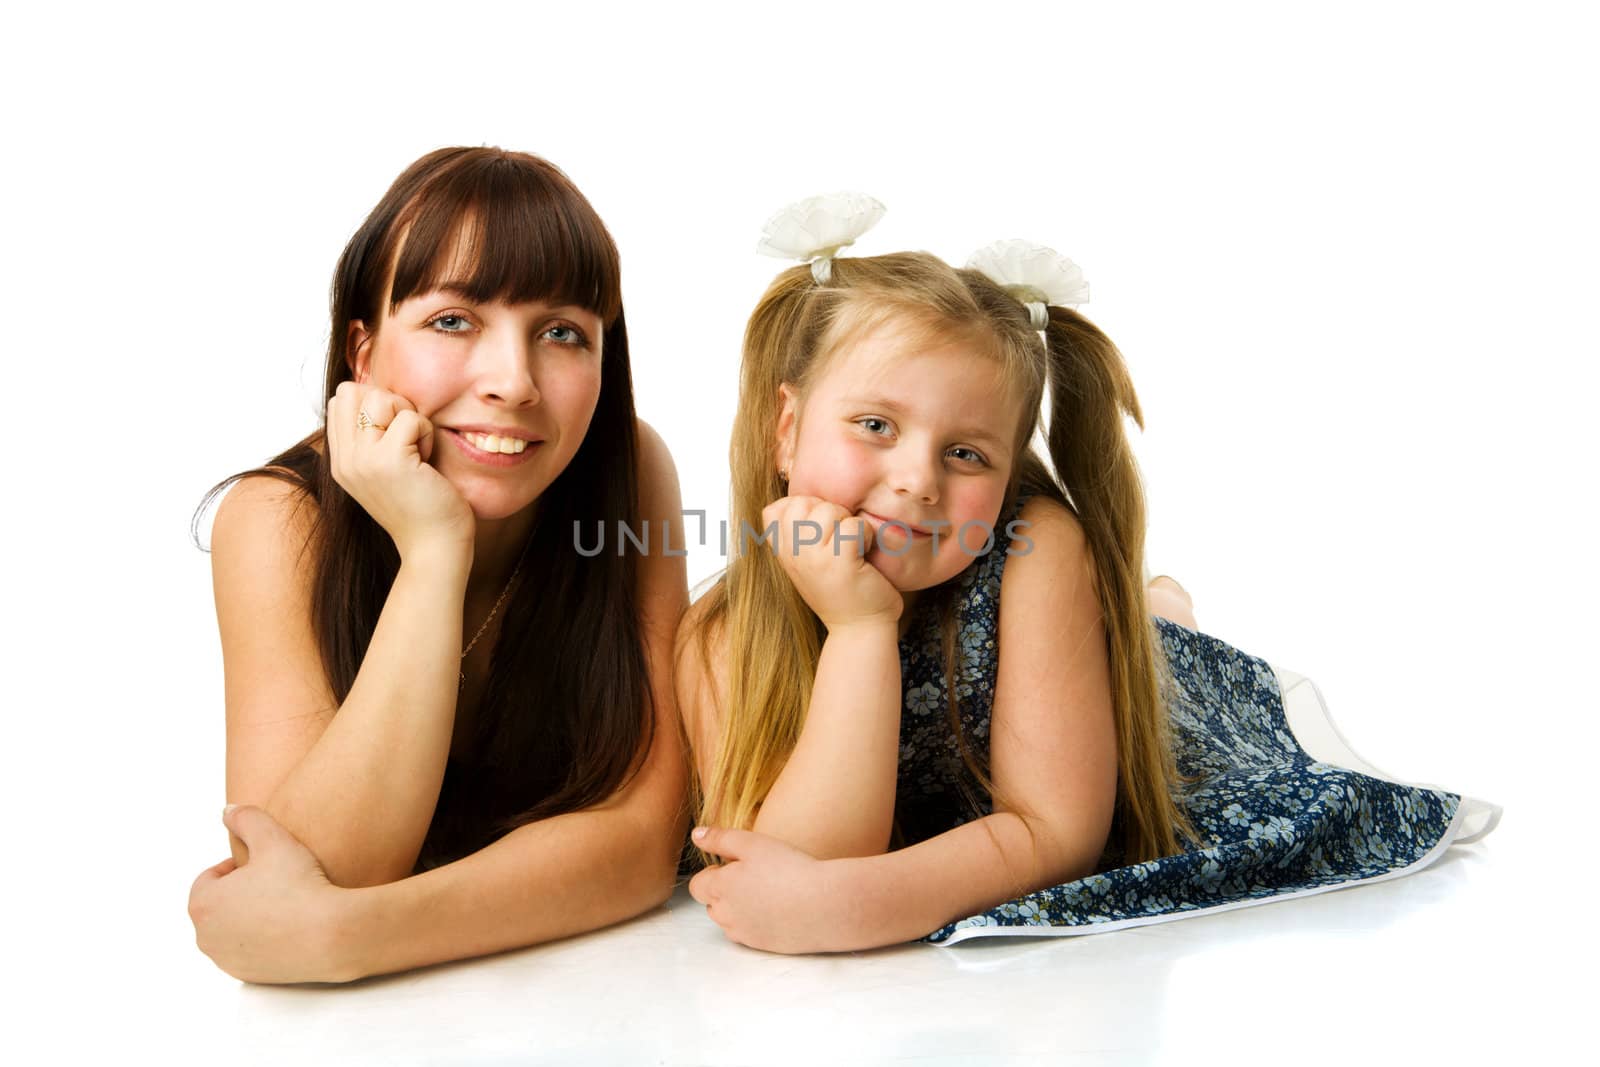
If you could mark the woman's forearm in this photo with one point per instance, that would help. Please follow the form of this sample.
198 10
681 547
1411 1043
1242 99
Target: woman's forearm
546 880
835 796
363 796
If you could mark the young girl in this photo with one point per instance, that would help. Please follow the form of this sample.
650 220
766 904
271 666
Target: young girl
935 684
448 733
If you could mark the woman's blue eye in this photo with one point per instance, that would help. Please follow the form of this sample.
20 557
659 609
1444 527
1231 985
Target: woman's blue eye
568 335
872 419
450 323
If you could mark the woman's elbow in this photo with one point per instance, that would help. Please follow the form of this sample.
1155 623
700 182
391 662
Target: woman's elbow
659 849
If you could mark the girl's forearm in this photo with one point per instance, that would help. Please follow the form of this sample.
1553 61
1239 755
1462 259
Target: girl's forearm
362 798
909 893
835 796
546 880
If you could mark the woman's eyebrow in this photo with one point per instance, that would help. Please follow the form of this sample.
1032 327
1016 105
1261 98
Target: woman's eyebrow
461 290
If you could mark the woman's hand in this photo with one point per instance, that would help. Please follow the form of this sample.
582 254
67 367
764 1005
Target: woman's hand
384 466
827 563
770 895
276 919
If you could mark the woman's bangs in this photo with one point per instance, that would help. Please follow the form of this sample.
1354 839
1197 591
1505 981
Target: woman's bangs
508 233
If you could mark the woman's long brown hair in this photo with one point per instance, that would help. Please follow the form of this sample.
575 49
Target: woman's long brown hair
566 716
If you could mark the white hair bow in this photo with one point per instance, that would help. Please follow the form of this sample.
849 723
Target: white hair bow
815 229
1036 275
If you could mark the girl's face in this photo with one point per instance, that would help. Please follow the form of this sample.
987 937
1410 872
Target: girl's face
478 371
898 427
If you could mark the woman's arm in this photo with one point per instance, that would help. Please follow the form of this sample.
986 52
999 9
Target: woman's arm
569 873
1053 762
356 783
548 879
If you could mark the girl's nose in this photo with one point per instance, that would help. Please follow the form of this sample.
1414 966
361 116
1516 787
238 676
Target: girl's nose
916 478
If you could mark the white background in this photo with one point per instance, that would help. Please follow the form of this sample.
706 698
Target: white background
1349 252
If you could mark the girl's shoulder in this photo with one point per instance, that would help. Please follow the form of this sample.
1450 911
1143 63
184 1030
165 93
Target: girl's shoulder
1039 516
700 674
1046 547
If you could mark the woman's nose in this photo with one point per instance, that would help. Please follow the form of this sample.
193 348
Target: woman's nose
507 371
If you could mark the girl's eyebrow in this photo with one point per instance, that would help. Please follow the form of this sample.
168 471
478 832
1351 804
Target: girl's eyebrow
877 400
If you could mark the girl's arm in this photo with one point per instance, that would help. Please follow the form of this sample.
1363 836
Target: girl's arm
1053 761
277 920
835 795
356 783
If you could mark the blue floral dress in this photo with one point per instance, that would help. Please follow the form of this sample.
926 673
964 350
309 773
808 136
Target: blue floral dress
1272 821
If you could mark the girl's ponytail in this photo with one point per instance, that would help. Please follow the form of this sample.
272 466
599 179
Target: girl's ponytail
1090 392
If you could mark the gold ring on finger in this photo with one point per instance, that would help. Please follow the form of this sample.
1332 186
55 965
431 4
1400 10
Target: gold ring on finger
364 421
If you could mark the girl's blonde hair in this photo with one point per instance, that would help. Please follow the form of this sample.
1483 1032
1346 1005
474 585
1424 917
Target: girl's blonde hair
774 640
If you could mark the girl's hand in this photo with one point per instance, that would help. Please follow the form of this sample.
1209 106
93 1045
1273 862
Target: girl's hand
385 468
276 919
770 895
832 575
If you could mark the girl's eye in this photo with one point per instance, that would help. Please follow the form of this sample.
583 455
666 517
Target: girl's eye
971 457
566 335
871 421
450 323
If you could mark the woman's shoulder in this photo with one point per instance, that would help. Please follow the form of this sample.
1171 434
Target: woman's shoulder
263 524
659 494
262 499
655 458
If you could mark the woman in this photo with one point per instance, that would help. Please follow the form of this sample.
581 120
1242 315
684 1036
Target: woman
448 732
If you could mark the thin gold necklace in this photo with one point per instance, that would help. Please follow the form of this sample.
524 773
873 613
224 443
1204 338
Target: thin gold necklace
492 613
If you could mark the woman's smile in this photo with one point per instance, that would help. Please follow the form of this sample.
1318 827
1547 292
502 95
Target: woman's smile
493 450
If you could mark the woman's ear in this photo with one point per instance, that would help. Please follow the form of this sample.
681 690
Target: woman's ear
788 411
358 349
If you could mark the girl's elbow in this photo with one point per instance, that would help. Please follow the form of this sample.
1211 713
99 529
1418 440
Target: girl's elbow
1061 852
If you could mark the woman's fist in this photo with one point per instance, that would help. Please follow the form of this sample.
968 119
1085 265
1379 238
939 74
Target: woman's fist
378 448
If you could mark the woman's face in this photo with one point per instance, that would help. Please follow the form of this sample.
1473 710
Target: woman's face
897 427
489 375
